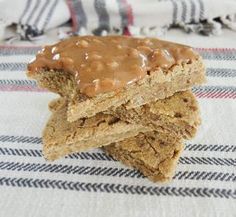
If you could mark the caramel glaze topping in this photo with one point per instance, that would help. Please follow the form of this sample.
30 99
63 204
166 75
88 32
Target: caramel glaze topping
102 64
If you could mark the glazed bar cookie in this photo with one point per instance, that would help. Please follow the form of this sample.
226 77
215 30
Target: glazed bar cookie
61 137
97 73
153 154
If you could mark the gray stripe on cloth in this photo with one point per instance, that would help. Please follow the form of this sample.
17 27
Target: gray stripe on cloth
20 139
80 14
215 92
205 175
22 82
103 17
184 10
202 9
188 147
175 12
118 188
220 72
49 15
71 169
217 54
123 13
13 66
183 160
193 11
40 14
210 147
27 6
98 170
33 11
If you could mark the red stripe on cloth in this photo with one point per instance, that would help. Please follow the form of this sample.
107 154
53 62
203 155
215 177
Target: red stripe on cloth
73 15
215 95
129 14
216 49
126 32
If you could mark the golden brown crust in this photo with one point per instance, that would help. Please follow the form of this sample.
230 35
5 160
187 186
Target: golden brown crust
152 153
181 111
61 137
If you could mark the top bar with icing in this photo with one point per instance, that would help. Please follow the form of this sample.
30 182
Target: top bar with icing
103 64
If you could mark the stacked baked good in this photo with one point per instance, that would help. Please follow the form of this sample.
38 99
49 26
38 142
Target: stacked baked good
130 96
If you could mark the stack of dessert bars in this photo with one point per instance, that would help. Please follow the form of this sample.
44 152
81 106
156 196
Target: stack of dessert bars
129 96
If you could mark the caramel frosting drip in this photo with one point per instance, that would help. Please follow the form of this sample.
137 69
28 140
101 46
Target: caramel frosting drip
102 64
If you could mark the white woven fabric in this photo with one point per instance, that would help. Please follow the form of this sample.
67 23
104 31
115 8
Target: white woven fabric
91 184
152 17
100 17
32 17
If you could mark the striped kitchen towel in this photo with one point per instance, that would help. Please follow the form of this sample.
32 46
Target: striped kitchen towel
151 17
93 184
32 17
101 17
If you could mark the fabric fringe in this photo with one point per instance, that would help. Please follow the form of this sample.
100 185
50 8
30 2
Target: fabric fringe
229 21
206 27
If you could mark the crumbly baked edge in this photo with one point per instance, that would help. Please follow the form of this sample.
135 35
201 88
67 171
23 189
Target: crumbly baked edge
163 172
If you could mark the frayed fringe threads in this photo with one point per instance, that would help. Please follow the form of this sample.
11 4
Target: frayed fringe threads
206 27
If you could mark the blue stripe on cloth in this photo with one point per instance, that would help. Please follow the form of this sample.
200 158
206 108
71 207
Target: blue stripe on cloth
20 139
183 160
79 14
50 13
103 17
25 82
40 14
24 12
14 51
101 171
201 10
210 147
33 11
119 188
220 72
175 11
208 161
13 66
193 11
184 11
218 54
69 169
188 147
100 156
